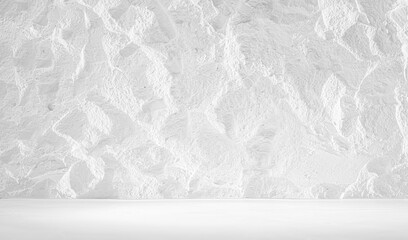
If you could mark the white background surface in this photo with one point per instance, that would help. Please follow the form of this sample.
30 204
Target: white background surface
153 99
203 219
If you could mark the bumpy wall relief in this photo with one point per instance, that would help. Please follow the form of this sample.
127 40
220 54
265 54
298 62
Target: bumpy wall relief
149 99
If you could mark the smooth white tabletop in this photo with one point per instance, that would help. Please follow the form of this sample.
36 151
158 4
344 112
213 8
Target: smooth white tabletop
203 219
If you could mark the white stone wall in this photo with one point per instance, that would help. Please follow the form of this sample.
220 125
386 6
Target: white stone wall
148 99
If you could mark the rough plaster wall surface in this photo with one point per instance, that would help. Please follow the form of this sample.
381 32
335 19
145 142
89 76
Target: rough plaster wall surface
150 99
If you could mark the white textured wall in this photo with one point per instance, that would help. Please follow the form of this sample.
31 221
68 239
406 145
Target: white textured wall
203 98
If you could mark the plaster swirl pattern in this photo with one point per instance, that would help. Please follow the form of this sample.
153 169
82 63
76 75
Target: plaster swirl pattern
150 99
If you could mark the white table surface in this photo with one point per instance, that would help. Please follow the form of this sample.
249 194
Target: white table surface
203 219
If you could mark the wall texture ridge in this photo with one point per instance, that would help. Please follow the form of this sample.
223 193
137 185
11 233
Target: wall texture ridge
151 99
